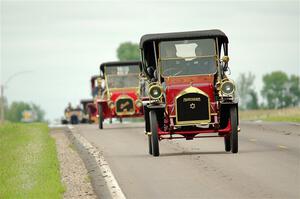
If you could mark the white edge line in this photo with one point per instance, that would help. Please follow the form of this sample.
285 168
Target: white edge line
109 178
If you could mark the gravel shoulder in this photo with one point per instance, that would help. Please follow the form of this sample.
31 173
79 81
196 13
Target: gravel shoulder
74 175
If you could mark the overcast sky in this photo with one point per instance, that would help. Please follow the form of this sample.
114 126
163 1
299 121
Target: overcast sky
63 43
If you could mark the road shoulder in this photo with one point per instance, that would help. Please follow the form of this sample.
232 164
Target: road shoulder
74 175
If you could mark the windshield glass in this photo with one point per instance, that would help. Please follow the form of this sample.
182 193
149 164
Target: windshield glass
187 57
122 76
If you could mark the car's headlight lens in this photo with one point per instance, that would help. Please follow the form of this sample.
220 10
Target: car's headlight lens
155 91
227 87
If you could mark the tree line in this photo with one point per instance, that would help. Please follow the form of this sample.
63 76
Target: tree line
15 111
279 91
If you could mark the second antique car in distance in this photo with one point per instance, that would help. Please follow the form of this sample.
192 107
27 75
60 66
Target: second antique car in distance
121 97
190 93
92 106
86 103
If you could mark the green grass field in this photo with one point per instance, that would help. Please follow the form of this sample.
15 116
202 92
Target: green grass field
29 167
279 115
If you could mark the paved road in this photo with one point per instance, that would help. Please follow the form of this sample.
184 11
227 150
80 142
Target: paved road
267 165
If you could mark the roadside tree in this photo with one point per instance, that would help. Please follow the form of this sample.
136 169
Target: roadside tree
128 51
247 95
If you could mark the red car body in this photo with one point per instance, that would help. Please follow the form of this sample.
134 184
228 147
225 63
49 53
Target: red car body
120 101
92 105
190 93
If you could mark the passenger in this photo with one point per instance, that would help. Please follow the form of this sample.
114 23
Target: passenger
203 63
170 52
69 107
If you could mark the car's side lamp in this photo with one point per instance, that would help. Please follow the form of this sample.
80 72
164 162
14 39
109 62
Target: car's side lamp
225 59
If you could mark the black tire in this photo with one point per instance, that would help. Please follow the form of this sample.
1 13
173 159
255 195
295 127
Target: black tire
234 131
121 120
90 117
227 143
100 118
149 144
154 133
110 120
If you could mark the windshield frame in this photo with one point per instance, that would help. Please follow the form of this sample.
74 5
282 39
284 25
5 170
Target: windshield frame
159 64
124 75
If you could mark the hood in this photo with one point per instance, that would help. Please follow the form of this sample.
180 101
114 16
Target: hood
175 85
129 92
174 90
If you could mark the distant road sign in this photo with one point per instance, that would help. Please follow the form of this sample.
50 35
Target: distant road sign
28 116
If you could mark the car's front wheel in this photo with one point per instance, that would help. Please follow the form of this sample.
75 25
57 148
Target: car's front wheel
227 143
234 129
100 118
154 133
149 144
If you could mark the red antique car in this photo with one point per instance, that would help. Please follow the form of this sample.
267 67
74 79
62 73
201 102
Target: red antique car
86 104
121 97
190 93
91 106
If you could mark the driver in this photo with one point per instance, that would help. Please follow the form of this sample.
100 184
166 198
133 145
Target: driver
170 65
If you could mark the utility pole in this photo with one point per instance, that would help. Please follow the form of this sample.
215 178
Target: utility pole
3 86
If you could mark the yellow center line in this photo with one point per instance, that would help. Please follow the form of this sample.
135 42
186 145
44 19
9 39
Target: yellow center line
282 146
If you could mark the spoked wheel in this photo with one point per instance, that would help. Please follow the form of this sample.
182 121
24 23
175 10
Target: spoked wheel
227 143
100 118
149 144
154 133
234 130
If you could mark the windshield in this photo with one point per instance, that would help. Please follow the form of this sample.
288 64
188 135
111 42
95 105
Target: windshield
187 57
122 76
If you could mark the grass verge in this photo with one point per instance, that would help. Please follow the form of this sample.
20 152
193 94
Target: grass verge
29 167
279 115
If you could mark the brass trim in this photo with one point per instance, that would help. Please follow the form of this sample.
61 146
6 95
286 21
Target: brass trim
155 85
223 82
216 60
122 89
138 101
192 89
209 123
108 90
148 133
126 113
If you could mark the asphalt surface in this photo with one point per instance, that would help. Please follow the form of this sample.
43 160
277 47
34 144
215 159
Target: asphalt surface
267 165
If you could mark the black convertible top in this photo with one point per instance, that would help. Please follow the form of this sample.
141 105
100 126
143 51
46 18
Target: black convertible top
184 35
119 63
84 101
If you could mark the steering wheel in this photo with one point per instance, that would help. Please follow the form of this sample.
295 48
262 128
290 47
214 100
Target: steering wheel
172 72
